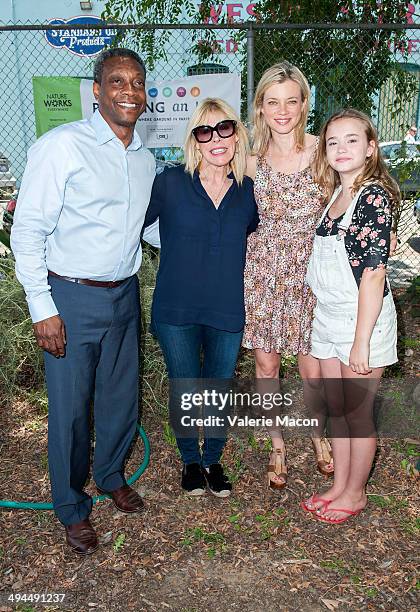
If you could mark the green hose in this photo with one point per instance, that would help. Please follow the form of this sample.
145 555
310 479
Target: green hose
44 506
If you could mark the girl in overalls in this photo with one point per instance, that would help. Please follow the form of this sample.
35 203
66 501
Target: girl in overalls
354 333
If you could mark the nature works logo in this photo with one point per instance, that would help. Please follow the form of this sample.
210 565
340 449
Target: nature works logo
83 41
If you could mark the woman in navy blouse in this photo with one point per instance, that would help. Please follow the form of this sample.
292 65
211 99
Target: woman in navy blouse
206 209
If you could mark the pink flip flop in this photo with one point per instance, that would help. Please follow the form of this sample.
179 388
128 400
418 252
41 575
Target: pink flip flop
313 499
350 513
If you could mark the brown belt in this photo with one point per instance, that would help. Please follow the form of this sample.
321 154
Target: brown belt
87 281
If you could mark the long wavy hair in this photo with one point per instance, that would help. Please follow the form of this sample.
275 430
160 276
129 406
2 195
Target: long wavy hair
374 170
192 154
279 73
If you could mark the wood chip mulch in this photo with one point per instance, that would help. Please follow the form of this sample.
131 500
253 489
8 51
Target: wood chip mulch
255 551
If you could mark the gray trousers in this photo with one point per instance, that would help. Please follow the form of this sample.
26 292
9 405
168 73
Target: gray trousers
101 365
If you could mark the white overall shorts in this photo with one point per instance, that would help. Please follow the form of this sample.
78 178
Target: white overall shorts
332 281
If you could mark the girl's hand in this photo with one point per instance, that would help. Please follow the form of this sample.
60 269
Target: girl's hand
359 358
393 244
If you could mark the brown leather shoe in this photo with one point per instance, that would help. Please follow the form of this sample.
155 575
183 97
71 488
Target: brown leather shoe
126 499
81 537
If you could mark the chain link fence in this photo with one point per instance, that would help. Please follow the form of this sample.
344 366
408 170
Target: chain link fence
373 68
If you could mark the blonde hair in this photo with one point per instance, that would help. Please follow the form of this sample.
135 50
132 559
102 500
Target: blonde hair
279 73
192 154
374 169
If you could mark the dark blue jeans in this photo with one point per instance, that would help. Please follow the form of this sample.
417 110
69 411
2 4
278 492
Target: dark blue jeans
194 352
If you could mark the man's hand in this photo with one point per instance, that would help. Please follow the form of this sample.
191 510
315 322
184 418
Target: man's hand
51 335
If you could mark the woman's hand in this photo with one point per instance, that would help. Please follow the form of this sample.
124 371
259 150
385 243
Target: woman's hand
359 357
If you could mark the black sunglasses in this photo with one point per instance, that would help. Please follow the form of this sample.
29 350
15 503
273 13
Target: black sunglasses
225 128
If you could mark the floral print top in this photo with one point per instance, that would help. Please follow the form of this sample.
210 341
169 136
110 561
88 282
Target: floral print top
368 237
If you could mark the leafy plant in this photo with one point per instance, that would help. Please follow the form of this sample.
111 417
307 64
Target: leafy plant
335 564
21 541
238 468
346 66
269 522
214 540
411 342
151 43
119 542
43 518
253 442
413 295
211 552
411 526
21 363
379 500
4 238
44 461
395 504
7 217
168 435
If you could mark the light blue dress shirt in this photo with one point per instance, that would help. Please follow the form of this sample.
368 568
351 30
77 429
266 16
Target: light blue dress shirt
81 209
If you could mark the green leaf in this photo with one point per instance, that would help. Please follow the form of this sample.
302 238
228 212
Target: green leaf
211 553
5 238
119 542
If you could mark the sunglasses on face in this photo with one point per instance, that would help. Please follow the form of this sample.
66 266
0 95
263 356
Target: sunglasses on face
225 129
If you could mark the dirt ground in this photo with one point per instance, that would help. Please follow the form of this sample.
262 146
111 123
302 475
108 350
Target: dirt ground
254 551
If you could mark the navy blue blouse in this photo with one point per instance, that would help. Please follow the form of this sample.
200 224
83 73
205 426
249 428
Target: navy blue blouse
201 273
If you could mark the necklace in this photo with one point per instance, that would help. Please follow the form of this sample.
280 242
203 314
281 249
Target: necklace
216 200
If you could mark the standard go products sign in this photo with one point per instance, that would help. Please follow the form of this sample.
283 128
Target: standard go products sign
83 41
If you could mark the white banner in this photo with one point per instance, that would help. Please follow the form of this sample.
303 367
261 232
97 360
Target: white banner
170 104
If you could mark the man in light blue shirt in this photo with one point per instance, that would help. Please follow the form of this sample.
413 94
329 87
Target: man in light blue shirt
76 240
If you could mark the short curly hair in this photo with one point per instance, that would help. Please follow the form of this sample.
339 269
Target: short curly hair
114 52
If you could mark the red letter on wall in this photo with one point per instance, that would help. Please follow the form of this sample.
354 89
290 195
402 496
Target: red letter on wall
250 9
214 14
232 11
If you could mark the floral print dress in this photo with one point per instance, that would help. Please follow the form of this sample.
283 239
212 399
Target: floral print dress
278 304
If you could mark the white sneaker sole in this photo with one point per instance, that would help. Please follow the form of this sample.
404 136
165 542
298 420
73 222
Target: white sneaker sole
195 492
223 493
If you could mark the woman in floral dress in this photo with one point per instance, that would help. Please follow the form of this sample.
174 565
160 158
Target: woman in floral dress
279 305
